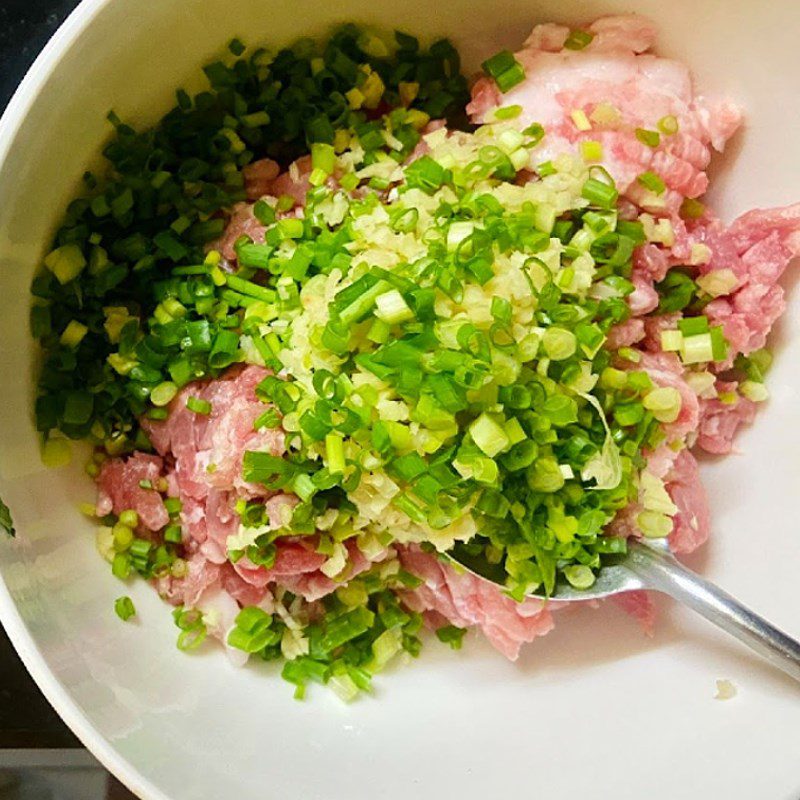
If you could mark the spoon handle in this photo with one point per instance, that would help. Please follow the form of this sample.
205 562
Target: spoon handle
661 571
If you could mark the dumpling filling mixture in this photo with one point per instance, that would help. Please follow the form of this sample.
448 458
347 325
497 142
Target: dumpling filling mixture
333 316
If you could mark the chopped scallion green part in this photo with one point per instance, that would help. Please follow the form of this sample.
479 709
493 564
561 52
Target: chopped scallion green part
198 405
599 193
650 138
652 182
668 125
124 608
578 39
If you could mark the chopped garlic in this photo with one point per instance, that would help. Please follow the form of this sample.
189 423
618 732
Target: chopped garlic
725 690
337 561
293 644
718 282
581 120
702 384
654 496
664 233
605 114
754 391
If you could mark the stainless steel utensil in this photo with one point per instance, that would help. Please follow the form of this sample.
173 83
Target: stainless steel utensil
648 565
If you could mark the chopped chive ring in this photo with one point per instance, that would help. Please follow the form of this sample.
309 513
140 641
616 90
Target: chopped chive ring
505 69
508 112
668 125
692 209
599 193
578 39
652 182
650 138
124 608
198 405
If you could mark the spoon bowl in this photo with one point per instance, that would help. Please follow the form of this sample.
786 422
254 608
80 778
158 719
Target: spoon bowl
650 565
616 576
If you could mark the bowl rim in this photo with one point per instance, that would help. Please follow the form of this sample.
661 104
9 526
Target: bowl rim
21 638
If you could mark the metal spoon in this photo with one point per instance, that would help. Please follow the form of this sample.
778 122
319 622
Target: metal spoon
648 565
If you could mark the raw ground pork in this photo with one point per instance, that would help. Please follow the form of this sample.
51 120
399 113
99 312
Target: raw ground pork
616 72
200 458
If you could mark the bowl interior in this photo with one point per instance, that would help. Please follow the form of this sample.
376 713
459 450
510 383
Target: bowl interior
589 698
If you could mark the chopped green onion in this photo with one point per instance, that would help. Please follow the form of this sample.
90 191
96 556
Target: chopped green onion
692 209
323 157
392 308
451 635
162 394
334 451
654 524
290 228
591 151
129 517
73 334
173 534
652 182
628 413
426 174
599 193
719 344
65 262
198 405
559 343
697 349
579 576
650 138
754 391
671 341
173 505
124 608
505 69
668 125
578 39
508 112
690 326
664 402
489 435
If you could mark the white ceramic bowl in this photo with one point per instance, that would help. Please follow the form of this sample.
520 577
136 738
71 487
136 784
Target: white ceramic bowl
595 709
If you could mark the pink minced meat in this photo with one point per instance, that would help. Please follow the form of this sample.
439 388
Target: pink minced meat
666 370
242 222
200 458
615 69
640 606
764 241
208 522
465 600
298 570
203 575
626 333
259 177
693 519
756 248
692 522
719 421
118 489
208 449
